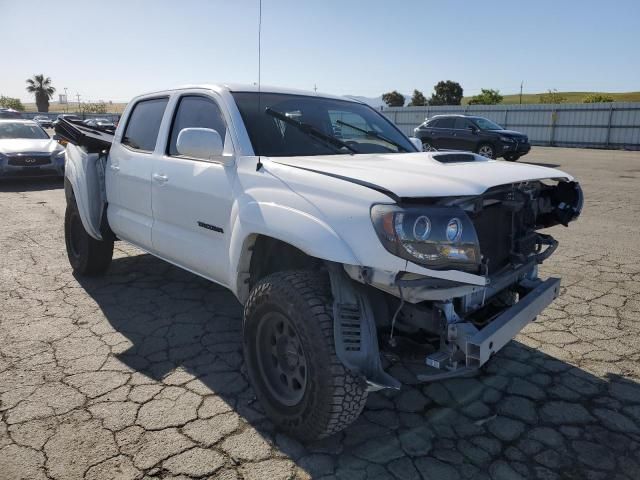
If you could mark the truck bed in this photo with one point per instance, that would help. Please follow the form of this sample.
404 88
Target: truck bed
92 140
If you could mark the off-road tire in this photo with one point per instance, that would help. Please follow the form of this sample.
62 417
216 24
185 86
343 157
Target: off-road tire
87 255
334 396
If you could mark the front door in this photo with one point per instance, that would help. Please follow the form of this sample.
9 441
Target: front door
192 197
130 164
465 137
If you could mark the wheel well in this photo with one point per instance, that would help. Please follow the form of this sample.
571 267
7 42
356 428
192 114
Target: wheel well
270 255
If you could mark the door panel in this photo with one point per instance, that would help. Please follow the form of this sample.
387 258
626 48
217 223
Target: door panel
191 197
130 166
192 202
464 138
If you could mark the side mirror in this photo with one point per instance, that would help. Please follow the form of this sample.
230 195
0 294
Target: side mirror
201 143
416 143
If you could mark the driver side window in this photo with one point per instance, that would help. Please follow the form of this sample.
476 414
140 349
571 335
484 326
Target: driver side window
195 111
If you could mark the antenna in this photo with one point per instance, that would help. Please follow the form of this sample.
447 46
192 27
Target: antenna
259 165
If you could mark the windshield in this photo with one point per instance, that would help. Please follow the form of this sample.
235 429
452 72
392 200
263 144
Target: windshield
485 124
21 130
358 127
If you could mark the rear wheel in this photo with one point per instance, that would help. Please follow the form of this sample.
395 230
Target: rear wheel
87 255
291 359
511 157
428 147
486 150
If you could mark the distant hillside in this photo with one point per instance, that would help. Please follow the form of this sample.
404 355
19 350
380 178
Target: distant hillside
72 107
571 97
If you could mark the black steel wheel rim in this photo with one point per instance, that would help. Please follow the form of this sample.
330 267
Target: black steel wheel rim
75 234
281 358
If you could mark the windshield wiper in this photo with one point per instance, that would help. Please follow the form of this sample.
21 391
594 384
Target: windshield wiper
311 131
371 133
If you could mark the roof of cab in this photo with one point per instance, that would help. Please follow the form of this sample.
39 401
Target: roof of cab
236 87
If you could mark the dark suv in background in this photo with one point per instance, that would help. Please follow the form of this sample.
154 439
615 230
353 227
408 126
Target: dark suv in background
474 134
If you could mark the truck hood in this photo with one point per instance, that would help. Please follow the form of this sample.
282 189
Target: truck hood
419 174
29 145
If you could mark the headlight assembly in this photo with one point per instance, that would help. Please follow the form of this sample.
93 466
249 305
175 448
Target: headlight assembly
507 139
439 238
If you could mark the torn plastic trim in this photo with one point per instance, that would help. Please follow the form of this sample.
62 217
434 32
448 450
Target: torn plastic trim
354 330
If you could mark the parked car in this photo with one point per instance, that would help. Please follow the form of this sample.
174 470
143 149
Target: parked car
27 150
347 253
9 113
43 121
473 134
100 123
68 116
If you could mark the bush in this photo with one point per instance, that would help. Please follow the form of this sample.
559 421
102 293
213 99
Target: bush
9 102
552 96
486 97
597 98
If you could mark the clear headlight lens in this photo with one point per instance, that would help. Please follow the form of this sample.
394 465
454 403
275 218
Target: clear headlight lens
436 237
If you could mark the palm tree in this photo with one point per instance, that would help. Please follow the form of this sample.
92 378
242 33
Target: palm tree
42 89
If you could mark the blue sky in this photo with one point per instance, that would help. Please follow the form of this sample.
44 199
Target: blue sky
116 49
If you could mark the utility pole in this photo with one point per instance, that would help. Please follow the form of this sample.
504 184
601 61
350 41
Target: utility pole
521 83
66 101
315 88
79 109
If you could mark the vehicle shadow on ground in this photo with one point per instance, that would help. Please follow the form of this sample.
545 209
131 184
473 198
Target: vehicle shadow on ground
30 184
527 415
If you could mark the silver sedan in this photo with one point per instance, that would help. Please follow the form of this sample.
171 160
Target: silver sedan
27 150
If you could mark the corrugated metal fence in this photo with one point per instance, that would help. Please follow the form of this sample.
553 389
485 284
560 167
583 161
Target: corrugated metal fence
599 125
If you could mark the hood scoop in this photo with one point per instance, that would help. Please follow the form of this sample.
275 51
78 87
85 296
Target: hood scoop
454 157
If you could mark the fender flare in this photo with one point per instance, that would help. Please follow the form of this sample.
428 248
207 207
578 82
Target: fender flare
81 173
288 225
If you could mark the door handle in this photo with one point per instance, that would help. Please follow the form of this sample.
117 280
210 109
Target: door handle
160 178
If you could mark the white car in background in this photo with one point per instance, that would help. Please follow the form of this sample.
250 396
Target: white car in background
27 150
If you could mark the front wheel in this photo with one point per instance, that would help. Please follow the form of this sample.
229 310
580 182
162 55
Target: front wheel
511 157
291 360
87 255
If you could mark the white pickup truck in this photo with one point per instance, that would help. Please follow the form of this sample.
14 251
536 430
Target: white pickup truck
350 249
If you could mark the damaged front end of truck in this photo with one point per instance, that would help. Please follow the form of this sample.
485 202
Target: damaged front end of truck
490 245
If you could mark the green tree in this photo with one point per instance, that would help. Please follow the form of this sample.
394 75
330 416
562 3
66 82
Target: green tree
41 87
8 102
393 99
446 92
418 99
486 97
552 96
597 98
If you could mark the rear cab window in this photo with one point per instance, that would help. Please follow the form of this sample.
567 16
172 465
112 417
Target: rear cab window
143 124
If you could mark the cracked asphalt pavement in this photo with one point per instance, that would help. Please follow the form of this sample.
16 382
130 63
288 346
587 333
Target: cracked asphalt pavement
139 374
